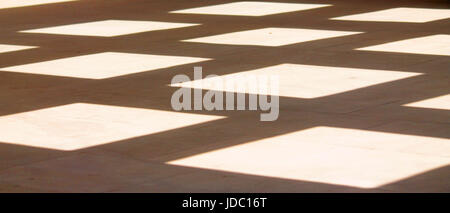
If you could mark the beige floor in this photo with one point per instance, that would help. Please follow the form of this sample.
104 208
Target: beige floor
85 90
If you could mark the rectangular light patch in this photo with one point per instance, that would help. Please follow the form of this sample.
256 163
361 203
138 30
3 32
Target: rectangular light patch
82 125
351 157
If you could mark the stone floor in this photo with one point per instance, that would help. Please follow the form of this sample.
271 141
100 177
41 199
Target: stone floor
86 96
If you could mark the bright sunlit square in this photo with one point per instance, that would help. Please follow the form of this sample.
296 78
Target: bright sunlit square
82 125
102 65
401 14
24 3
306 81
108 28
440 102
350 157
4 48
430 45
270 36
250 8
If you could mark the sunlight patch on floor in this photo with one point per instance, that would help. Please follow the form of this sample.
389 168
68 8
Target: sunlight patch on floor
401 14
430 45
305 81
350 157
103 65
249 8
82 125
271 36
441 102
109 28
23 3
11 48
